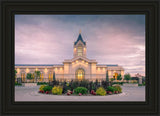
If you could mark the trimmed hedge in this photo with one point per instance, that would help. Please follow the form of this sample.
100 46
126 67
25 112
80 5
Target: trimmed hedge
109 88
101 91
42 83
41 87
81 90
57 90
47 88
118 88
120 83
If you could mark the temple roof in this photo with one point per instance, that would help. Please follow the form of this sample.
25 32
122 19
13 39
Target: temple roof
108 64
57 64
80 39
37 64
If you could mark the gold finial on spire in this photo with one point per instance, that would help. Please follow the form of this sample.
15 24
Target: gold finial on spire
80 31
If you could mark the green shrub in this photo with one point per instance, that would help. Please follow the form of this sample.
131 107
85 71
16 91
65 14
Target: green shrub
109 88
140 84
127 77
119 77
42 83
117 88
84 83
74 85
112 79
41 87
29 76
101 91
82 90
47 88
57 90
121 83
144 83
67 84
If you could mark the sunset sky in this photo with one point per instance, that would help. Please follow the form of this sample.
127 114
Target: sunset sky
110 39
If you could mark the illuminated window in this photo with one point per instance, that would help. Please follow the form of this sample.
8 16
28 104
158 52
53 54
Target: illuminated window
23 77
41 77
50 77
80 51
80 74
115 76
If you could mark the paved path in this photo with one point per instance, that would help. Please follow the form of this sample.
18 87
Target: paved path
31 94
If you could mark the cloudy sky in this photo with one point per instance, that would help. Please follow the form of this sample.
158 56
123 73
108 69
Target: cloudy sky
111 39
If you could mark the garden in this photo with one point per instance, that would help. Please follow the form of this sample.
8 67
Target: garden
80 88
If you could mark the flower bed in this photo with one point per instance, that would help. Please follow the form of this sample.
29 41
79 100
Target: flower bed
80 91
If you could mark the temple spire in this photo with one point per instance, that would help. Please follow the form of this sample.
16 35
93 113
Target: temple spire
80 31
80 39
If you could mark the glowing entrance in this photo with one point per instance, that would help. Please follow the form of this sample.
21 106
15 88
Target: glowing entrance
115 76
80 74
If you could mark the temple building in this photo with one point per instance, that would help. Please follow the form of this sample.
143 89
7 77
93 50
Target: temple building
79 67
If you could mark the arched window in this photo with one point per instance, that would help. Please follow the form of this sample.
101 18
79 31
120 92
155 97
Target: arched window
80 51
50 76
41 77
80 74
115 75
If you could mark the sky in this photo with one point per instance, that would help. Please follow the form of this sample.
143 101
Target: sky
110 39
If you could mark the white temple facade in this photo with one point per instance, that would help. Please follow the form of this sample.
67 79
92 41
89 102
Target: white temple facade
79 67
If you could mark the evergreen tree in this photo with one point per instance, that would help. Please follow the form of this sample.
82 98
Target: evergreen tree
15 73
54 78
119 77
107 79
37 75
29 76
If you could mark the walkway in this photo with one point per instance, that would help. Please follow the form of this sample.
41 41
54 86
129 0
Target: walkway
31 94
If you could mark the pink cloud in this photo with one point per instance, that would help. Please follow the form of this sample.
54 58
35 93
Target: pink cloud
50 41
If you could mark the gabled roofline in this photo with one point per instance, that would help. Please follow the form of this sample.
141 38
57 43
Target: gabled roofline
79 57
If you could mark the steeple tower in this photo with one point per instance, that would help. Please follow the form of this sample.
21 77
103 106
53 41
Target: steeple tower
79 46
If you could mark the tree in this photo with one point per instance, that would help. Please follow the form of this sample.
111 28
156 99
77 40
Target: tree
143 79
15 73
54 78
112 79
127 77
29 76
37 75
119 77
107 79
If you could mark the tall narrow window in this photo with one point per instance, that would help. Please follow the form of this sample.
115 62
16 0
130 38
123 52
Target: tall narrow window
80 51
23 77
